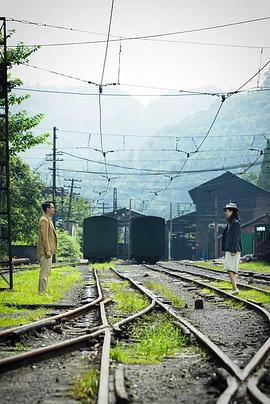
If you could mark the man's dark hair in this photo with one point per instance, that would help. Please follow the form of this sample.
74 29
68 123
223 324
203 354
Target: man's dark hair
46 205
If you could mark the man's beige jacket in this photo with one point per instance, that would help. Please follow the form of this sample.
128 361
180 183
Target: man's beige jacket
47 240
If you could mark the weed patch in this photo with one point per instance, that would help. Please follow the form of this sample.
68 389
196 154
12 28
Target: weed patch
102 265
165 291
85 388
127 301
156 337
248 294
26 292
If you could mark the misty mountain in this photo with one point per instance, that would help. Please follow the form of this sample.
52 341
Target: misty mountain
242 124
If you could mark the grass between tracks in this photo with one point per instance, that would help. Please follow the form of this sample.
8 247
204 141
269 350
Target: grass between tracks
167 292
257 266
26 292
155 337
248 294
102 265
231 303
127 301
86 386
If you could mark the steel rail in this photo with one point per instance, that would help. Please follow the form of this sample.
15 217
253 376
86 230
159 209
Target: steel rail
14 332
16 361
214 288
264 350
73 344
116 326
247 274
239 376
242 285
199 335
254 391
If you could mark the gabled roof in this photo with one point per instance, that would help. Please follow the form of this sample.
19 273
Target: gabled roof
187 216
221 183
118 212
256 219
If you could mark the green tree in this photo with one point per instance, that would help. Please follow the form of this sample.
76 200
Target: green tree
21 124
81 208
250 177
26 186
68 248
26 192
264 177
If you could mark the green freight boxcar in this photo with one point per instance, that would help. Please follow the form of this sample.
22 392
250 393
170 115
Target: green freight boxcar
99 238
147 239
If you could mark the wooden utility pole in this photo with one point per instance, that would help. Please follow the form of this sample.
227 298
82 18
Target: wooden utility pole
129 230
170 235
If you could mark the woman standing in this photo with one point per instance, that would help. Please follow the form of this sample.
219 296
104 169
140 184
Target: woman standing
231 243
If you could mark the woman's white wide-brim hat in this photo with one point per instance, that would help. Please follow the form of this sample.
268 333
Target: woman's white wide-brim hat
231 205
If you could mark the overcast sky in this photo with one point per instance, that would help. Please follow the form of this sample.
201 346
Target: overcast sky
151 63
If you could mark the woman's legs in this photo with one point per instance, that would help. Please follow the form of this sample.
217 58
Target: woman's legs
233 279
232 265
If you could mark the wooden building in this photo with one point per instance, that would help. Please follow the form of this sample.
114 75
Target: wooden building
210 198
183 236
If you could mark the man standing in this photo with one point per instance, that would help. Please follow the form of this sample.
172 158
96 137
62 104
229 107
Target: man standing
47 244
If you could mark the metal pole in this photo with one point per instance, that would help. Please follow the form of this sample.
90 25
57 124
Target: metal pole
129 232
70 200
7 158
54 170
62 207
170 235
216 227
114 199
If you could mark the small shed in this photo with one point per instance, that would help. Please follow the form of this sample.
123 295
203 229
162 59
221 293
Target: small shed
183 236
210 198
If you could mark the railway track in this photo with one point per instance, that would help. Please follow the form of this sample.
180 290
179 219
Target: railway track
245 284
77 329
241 362
239 369
250 276
81 330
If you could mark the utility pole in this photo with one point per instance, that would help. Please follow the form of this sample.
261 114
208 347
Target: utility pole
62 206
216 227
5 201
72 187
129 228
114 199
54 171
178 208
170 235
70 199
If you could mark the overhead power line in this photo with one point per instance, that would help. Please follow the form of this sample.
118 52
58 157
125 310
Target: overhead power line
101 91
45 25
191 92
176 136
44 91
159 35
206 170
223 99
